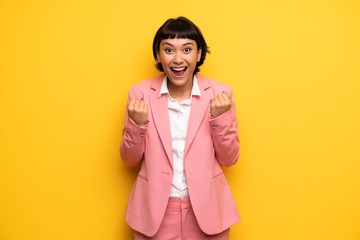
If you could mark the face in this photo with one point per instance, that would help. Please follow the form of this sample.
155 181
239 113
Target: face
178 58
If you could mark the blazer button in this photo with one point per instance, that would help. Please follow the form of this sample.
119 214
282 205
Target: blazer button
141 135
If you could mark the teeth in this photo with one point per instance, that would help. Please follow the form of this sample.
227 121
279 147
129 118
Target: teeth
178 69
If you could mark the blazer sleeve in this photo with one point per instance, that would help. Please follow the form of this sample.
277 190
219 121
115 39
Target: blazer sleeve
132 146
224 132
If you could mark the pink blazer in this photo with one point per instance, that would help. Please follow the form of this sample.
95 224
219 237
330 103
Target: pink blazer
209 142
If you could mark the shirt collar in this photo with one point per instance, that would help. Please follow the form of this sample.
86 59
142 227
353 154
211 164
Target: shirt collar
195 91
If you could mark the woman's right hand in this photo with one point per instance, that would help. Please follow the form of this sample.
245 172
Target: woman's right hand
138 111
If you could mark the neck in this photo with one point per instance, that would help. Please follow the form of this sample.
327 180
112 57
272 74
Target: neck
180 93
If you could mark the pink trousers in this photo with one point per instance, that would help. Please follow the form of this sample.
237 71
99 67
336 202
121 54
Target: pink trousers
179 223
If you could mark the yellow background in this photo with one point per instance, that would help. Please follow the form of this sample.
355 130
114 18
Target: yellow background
65 71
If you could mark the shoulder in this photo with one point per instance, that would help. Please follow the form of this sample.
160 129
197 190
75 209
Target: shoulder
217 86
144 86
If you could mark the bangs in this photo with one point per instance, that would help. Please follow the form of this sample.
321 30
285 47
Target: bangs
179 29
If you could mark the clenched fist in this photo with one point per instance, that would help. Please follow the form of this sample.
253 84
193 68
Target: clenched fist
138 111
220 104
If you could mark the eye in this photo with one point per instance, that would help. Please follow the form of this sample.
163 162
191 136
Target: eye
187 50
168 50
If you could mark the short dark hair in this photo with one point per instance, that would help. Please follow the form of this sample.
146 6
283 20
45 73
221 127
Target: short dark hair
180 27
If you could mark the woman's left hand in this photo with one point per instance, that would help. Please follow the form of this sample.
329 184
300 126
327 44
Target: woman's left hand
220 104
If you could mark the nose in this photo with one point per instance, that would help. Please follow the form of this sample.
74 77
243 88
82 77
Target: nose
178 58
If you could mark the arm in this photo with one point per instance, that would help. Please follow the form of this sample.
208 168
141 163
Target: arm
224 132
132 146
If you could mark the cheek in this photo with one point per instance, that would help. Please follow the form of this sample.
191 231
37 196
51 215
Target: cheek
194 60
163 59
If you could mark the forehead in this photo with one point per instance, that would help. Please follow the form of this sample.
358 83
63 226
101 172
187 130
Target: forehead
177 42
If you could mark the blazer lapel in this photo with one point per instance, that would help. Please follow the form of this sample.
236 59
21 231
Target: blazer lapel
160 114
159 109
199 109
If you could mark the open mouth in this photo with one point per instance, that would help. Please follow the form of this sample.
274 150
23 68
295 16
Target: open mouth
178 71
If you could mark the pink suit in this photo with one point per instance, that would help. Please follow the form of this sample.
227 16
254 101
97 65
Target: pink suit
209 142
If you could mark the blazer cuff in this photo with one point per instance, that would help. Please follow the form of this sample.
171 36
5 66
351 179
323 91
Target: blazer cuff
220 124
135 132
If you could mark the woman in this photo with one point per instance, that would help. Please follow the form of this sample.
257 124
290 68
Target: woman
180 127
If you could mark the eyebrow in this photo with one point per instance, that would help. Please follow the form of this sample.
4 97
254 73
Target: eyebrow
187 43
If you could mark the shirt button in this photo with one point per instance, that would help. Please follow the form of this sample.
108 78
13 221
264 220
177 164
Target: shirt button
141 135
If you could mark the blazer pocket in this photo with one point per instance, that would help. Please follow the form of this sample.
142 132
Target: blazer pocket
143 177
218 174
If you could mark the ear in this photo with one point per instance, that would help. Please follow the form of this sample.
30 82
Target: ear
199 54
158 60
